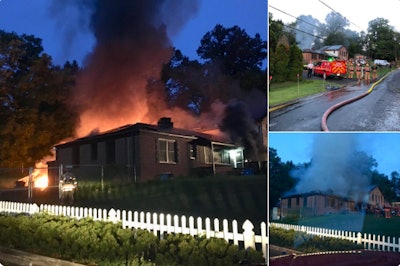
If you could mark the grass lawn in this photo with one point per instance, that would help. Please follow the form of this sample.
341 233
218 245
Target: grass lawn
354 222
230 197
287 91
283 92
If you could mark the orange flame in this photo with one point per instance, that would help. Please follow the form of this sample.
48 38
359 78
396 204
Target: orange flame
39 175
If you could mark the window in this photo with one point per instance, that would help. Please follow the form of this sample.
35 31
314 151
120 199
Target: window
192 151
220 156
304 201
167 151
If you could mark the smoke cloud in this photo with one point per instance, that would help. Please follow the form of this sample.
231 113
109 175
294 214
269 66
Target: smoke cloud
336 167
117 85
307 26
120 82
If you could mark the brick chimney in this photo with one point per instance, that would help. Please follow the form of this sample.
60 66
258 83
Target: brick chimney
165 123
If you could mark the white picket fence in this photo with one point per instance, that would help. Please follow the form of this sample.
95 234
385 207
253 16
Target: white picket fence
369 241
156 223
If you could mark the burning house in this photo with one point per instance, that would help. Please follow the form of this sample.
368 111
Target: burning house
315 203
142 152
120 84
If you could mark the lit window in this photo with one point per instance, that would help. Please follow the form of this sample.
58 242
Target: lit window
166 151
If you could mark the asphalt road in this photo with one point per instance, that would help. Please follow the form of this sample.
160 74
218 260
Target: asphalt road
379 111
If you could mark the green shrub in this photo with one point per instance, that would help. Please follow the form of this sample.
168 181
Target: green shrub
103 243
308 243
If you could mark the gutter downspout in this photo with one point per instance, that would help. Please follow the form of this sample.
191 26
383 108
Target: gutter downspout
212 157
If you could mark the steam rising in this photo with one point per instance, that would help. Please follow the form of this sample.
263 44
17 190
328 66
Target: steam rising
336 166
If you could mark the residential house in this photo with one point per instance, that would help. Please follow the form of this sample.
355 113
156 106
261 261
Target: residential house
337 51
313 55
326 52
319 203
313 203
141 152
376 198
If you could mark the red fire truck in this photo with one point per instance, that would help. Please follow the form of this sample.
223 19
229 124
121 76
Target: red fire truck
331 68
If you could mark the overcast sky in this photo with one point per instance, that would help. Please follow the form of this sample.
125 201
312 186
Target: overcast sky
35 17
359 13
297 147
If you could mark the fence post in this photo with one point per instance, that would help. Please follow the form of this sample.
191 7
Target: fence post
112 216
248 235
359 239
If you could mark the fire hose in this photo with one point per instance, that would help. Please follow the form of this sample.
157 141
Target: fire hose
328 112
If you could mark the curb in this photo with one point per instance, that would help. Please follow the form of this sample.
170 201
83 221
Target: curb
328 112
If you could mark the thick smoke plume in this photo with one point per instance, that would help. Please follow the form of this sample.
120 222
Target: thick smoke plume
336 167
239 122
308 29
118 83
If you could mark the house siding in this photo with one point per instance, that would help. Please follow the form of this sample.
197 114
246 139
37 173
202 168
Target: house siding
304 205
131 154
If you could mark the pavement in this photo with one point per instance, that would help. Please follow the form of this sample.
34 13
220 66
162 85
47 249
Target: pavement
13 257
339 258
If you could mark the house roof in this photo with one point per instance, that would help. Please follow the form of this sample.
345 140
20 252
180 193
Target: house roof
311 193
313 51
135 129
332 47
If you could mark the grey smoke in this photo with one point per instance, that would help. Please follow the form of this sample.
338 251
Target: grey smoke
337 166
306 24
239 123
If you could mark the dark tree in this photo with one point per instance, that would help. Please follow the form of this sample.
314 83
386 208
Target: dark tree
238 54
295 65
33 114
194 86
385 185
280 180
381 41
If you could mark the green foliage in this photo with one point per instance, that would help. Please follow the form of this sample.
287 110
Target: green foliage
237 51
101 243
295 63
33 100
280 180
307 243
381 41
186 250
280 60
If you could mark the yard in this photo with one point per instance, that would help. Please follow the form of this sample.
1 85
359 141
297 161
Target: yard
230 197
280 93
353 222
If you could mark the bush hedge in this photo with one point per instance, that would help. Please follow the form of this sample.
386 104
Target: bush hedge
102 243
308 243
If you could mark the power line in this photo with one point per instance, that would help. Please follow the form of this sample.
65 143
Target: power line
299 20
319 37
339 14
296 18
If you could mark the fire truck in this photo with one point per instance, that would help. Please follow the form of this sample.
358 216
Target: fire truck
331 68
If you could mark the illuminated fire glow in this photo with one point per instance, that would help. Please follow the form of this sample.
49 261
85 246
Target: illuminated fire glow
39 175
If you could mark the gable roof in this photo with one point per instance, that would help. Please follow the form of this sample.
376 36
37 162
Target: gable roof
332 47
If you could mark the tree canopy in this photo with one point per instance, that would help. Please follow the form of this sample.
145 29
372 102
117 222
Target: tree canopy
33 99
232 67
